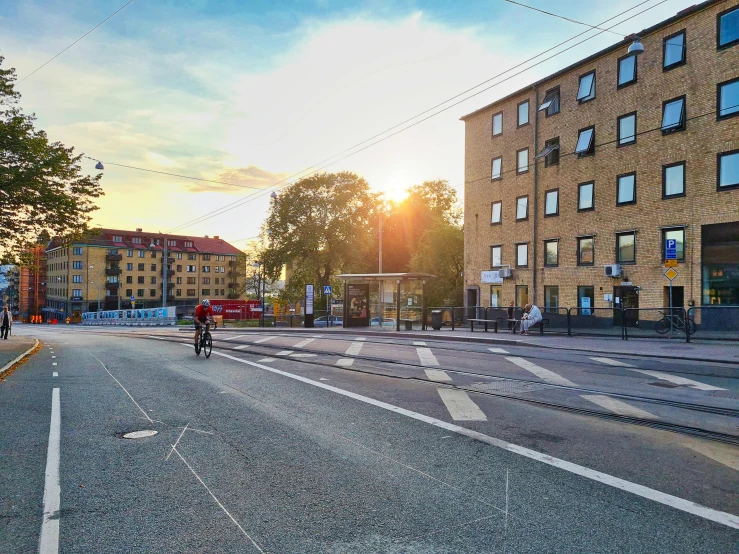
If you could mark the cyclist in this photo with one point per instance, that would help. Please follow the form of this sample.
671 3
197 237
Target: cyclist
203 314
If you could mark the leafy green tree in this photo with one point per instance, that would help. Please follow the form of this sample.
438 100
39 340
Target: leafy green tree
42 190
441 253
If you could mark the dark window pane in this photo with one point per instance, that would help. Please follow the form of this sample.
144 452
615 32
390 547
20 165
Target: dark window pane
586 250
626 70
729 27
729 99
674 50
729 170
679 236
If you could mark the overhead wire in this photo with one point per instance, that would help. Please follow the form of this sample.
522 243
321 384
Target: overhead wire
255 195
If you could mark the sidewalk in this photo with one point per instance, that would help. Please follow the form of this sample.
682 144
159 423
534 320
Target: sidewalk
711 351
13 347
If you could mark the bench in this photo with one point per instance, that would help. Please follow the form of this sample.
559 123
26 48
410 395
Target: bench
544 321
485 321
408 324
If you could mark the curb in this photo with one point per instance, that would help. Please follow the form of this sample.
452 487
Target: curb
19 358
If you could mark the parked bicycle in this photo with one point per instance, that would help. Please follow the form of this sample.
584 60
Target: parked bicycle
676 322
205 343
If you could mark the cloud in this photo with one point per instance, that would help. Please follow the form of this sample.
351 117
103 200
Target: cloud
251 177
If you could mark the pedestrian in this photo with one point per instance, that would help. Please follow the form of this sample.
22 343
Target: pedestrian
7 322
510 315
531 317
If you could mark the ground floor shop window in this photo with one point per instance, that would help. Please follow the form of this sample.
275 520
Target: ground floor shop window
720 264
585 300
551 299
495 296
721 284
522 295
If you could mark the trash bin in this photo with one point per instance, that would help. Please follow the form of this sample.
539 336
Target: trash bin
436 319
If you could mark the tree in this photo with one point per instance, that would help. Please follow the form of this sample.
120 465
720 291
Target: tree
42 189
320 225
441 253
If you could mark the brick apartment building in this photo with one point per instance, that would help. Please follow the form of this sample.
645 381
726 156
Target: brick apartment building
116 265
32 284
575 182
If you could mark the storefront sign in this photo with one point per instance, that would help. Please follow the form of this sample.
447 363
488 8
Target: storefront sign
490 277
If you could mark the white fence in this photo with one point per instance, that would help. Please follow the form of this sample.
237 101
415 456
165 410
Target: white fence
132 318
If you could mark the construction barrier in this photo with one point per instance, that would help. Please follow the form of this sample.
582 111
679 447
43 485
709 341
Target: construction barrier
132 318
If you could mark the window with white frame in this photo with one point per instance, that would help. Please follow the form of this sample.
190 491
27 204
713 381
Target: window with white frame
76 278
497 168
496 256
136 240
522 207
522 160
496 213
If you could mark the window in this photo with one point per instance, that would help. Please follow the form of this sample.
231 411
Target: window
129 292
627 129
205 292
179 280
551 298
497 169
626 248
585 142
178 292
523 113
673 51
129 267
191 269
678 234
191 280
626 71
551 203
129 253
495 296
77 251
586 91
550 102
206 269
673 180
141 267
728 170
550 152
77 265
136 240
626 189
727 32
179 267
152 292
141 253
496 256
522 295
673 115
585 300
76 278
216 292
153 280
551 253
206 257
188 244
728 99
153 253
179 255
171 243
129 279
206 280
522 160
496 213
192 293
117 238
522 254
497 124
153 267
522 207
585 251
191 257
585 197
140 293
77 293
140 279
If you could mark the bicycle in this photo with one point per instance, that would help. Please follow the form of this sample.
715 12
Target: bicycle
205 343
676 323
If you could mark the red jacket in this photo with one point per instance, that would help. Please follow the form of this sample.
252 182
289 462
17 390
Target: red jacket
202 313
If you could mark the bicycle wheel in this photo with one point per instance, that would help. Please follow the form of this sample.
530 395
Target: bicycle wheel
662 326
207 345
691 326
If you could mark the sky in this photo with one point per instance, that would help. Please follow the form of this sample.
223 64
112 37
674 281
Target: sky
252 93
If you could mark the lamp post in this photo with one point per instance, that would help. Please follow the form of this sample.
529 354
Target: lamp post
257 265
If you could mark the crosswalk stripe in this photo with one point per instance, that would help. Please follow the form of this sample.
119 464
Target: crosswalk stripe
678 380
242 346
303 343
498 350
267 360
360 338
540 372
437 375
460 405
721 453
231 337
303 355
354 349
284 353
264 339
55 374
345 362
611 361
419 343
617 406
427 357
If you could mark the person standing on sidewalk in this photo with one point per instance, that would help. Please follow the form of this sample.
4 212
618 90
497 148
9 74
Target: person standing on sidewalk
7 321
511 306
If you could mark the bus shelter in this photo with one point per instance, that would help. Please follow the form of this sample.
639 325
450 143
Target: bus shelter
385 300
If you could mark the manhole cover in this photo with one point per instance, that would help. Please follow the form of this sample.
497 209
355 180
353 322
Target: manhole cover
140 434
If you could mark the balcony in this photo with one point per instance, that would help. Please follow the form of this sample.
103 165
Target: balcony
170 272
113 257
113 271
233 285
170 260
111 286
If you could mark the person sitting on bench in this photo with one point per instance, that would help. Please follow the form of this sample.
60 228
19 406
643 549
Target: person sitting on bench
530 318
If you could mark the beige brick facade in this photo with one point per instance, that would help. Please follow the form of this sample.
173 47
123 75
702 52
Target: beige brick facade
698 146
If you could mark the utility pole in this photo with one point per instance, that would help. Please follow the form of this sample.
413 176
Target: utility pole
380 237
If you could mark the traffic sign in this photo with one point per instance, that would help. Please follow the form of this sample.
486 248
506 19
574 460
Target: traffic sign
670 263
327 289
670 249
670 274
133 298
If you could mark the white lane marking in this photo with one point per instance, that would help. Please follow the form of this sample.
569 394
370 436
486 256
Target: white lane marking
419 343
345 362
53 357
53 363
354 349
610 361
303 355
361 338
303 343
437 375
49 541
617 406
323 379
176 442
426 356
317 336
267 359
124 388
721 453
263 339
540 372
678 380
55 374
284 353
221 506
460 405
498 350
242 346
678 503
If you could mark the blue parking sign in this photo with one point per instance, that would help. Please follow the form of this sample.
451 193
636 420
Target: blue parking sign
670 249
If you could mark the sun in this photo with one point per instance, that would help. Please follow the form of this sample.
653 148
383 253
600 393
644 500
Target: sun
396 194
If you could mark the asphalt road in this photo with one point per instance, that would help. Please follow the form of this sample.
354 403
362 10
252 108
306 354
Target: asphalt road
339 445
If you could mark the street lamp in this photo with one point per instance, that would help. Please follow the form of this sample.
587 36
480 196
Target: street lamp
257 264
636 47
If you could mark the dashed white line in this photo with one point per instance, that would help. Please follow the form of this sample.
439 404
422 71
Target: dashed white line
49 541
678 380
419 343
55 374
267 359
345 362
617 406
354 349
242 346
610 361
427 357
53 357
460 405
361 338
303 355
437 375
264 339
540 372
498 350
284 353
303 343
229 337
53 363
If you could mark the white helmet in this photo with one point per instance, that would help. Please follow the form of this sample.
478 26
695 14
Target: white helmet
206 303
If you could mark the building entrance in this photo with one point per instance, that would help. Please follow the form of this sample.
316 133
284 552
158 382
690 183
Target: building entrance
625 297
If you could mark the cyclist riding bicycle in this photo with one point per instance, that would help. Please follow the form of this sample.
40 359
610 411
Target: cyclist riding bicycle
203 314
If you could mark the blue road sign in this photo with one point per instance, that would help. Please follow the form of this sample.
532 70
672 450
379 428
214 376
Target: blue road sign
670 249
328 289
132 298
